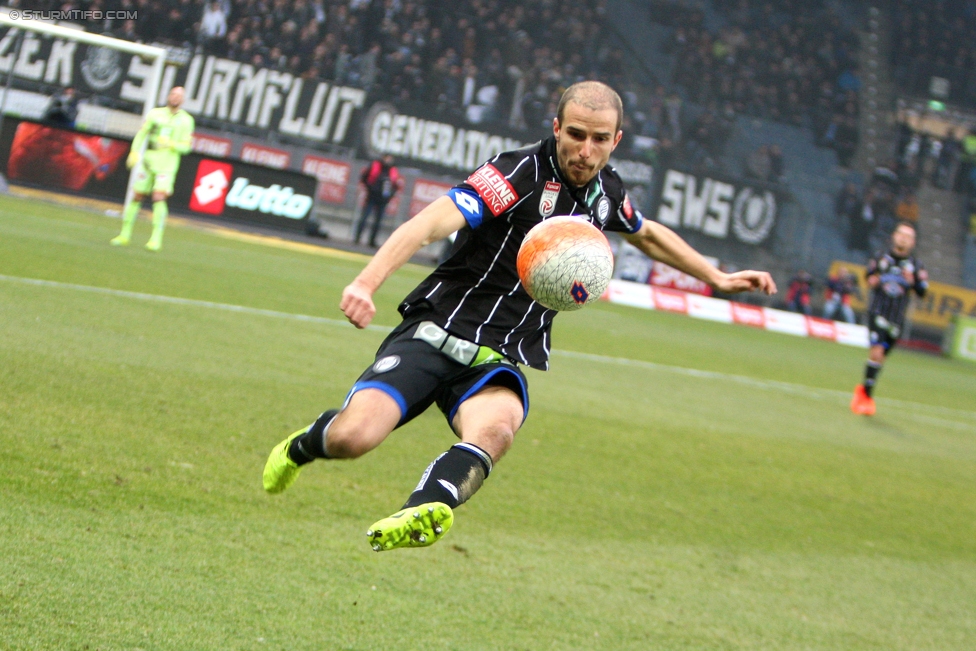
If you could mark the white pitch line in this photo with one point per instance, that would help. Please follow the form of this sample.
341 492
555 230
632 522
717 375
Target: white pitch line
769 385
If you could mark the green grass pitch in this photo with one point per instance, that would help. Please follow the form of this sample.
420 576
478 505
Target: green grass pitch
678 485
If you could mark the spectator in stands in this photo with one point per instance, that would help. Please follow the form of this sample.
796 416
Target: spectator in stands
862 222
382 181
776 170
948 160
63 108
840 287
213 29
798 294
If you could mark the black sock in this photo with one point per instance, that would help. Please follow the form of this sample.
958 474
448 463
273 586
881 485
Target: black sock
871 376
453 477
310 446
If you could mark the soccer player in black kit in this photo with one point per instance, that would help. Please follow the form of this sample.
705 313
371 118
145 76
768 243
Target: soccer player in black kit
892 277
468 327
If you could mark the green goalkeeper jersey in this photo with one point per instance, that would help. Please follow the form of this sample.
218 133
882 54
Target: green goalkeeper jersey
163 125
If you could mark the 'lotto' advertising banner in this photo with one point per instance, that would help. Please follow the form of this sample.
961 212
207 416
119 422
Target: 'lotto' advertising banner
243 192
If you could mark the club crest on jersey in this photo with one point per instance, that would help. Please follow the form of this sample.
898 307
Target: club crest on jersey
550 194
493 188
603 209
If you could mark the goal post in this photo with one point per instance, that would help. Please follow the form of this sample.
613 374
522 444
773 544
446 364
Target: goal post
21 25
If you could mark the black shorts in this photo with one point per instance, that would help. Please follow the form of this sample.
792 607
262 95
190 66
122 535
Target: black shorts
416 374
882 332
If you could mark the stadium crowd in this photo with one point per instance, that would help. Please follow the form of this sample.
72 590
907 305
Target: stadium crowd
792 61
477 59
935 38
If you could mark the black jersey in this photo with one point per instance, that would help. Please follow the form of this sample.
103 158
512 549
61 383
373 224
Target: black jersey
897 277
476 293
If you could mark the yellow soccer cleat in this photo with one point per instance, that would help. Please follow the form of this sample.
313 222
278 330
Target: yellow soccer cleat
415 526
280 472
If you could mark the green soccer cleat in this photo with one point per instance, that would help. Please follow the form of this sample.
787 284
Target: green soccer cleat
415 526
154 244
119 240
280 472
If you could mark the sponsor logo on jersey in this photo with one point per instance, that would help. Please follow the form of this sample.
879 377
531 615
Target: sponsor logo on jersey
210 187
549 196
388 363
492 186
603 209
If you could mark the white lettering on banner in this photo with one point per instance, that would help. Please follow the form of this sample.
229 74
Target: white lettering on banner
388 132
61 60
718 206
275 200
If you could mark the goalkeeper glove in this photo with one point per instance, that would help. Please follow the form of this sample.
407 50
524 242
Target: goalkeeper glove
132 160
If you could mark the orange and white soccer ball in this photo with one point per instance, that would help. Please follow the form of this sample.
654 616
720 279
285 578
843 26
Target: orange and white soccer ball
564 263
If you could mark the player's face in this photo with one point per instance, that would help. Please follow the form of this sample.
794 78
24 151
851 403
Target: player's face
584 141
175 98
903 240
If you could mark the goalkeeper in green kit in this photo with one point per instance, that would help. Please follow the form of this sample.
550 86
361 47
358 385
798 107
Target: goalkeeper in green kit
168 129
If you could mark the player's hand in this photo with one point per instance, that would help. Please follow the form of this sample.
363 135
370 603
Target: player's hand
357 305
746 281
132 160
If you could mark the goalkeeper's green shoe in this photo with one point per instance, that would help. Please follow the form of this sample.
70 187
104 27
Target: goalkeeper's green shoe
280 472
119 240
154 243
415 526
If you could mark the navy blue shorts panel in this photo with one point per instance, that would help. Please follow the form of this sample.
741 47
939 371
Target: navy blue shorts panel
417 375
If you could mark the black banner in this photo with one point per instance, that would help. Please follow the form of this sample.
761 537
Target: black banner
243 192
42 155
90 69
716 207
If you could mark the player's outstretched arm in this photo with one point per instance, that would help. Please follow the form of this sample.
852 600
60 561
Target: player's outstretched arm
663 244
435 222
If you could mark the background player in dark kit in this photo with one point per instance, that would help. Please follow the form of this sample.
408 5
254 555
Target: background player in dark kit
469 325
892 276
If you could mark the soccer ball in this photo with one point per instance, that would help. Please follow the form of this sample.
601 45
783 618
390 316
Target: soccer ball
564 263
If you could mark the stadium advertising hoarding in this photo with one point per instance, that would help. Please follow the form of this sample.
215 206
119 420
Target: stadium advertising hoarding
42 155
243 192
428 140
941 303
961 339
716 207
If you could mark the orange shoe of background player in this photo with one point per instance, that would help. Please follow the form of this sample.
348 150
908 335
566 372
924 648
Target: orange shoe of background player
862 403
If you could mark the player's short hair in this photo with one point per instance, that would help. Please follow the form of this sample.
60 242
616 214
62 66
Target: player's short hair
594 95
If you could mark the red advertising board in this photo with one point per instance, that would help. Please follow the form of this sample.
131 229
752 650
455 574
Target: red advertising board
749 315
332 175
670 300
821 328
426 192
210 187
663 275
266 156
210 145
